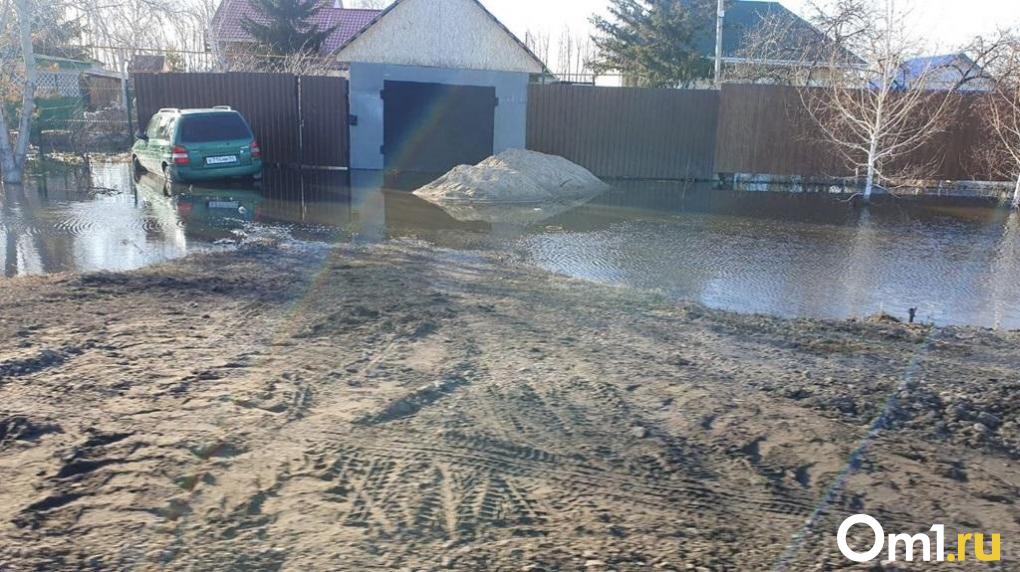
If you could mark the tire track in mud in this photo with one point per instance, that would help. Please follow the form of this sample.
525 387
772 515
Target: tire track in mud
36 362
79 469
424 496
516 439
688 491
384 494
414 401
493 464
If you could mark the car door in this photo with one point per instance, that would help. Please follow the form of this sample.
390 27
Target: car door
160 144
140 147
145 153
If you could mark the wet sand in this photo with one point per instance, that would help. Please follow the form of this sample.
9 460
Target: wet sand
397 407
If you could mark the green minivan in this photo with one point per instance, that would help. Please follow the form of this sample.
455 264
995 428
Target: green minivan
197 145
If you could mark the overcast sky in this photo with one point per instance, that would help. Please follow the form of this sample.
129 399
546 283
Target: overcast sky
943 23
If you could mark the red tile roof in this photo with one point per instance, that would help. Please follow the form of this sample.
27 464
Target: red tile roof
349 21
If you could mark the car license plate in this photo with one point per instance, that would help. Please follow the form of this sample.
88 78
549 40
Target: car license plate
220 160
224 204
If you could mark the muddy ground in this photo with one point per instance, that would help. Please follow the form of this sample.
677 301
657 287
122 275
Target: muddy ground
396 407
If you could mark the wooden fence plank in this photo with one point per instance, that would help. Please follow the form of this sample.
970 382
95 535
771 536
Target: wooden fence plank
626 132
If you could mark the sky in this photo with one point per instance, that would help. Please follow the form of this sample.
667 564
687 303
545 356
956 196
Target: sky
944 24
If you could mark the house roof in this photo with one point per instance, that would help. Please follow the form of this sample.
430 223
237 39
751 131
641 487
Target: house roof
960 64
109 74
70 62
489 14
947 71
917 66
743 17
227 25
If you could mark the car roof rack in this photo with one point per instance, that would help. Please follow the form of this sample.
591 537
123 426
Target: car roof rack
169 110
223 107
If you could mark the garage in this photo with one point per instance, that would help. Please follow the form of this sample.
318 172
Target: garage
431 127
434 84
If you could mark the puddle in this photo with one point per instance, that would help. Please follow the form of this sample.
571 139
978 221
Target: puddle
776 253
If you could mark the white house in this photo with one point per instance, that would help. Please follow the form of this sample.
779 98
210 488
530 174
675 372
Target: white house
433 83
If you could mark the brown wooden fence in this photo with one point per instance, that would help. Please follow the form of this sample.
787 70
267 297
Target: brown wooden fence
297 120
679 134
626 132
766 129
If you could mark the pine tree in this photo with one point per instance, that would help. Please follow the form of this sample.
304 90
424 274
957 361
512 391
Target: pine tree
288 28
655 42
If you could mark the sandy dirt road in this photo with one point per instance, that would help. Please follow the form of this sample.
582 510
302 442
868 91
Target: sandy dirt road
396 407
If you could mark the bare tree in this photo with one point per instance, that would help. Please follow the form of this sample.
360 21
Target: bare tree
115 31
781 51
192 34
576 52
573 53
239 59
539 43
983 58
881 115
1002 113
13 154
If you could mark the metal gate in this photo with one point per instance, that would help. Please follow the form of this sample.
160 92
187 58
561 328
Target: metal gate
297 120
325 134
430 127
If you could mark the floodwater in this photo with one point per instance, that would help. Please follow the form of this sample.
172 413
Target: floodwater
808 255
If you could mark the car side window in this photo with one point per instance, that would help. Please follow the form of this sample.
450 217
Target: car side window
165 126
152 131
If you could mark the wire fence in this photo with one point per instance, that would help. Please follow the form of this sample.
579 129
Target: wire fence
93 118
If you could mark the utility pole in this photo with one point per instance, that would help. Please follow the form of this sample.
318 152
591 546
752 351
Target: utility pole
720 17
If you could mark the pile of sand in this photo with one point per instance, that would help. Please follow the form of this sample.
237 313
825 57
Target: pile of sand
514 176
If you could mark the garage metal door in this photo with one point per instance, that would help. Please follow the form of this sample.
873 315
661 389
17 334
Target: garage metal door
431 127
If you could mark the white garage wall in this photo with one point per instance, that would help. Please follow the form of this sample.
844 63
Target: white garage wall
456 34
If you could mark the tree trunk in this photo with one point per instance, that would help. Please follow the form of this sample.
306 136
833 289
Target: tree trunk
6 151
13 161
1016 194
869 184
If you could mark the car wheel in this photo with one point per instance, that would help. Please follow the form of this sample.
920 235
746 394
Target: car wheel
168 183
137 171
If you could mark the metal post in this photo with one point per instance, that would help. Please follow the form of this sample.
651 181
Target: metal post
720 17
126 93
301 128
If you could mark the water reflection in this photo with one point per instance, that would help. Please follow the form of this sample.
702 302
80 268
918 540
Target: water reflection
859 272
1004 288
784 254
513 215
67 222
792 255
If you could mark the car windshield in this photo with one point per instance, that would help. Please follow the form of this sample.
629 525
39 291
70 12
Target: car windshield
217 127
